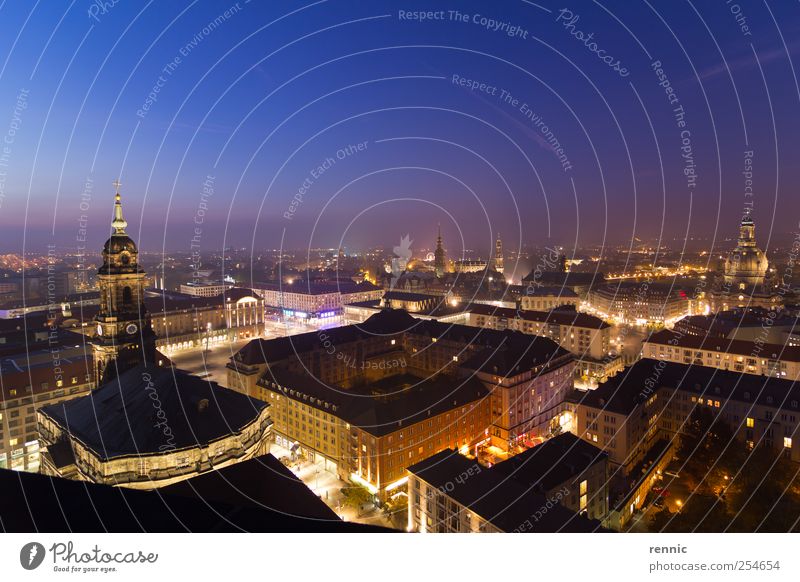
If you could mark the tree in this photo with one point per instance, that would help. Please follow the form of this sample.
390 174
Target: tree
355 496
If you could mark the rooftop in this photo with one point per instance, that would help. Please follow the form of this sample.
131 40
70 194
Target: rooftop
197 412
719 344
558 316
623 392
506 503
259 495
552 463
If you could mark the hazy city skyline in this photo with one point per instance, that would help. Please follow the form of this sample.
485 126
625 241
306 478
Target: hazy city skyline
201 121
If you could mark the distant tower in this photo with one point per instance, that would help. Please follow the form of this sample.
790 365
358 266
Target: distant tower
746 264
439 257
123 337
498 255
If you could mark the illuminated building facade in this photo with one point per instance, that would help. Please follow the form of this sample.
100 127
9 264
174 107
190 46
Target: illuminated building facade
205 288
123 336
589 338
395 389
303 300
537 298
31 380
635 303
749 357
151 427
560 485
145 425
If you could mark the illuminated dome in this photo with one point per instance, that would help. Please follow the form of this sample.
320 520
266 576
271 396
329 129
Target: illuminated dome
119 243
746 264
119 252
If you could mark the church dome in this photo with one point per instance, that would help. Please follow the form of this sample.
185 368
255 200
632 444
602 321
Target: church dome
118 243
746 264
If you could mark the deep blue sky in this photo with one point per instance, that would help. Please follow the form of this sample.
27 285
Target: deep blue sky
277 87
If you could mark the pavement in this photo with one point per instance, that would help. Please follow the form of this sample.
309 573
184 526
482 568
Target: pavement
213 361
325 484
328 487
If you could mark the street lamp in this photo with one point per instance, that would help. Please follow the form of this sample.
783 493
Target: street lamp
208 333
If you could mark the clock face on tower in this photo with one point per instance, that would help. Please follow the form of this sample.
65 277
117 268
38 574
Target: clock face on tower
131 328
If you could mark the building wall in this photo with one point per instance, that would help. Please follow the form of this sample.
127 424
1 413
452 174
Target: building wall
749 364
29 382
629 307
19 435
545 302
431 510
584 341
153 470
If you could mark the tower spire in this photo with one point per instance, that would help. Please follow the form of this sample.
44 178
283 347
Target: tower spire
118 224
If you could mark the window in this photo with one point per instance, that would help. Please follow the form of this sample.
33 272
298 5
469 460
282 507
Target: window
787 442
584 485
750 422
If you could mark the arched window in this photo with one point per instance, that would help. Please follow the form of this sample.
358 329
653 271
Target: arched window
127 296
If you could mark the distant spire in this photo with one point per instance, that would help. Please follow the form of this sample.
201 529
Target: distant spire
118 224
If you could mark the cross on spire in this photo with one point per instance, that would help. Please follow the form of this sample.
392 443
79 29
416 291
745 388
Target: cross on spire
116 183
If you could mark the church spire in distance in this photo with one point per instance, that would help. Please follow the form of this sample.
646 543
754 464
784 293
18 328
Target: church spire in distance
118 224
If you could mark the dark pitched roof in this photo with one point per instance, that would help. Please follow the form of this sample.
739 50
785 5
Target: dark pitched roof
719 344
127 415
517 353
623 392
504 502
552 463
554 316
261 483
543 291
393 322
563 279
387 405
197 505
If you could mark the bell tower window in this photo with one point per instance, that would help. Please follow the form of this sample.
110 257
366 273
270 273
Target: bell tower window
127 296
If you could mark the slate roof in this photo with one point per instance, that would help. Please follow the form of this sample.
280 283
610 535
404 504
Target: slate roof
128 415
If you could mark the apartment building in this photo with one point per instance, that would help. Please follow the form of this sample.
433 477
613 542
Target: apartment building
450 493
749 357
29 382
588 337
374 380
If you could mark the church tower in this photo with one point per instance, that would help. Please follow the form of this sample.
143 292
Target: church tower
439 258
498 255
123 337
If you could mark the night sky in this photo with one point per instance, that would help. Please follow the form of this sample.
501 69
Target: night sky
216 115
